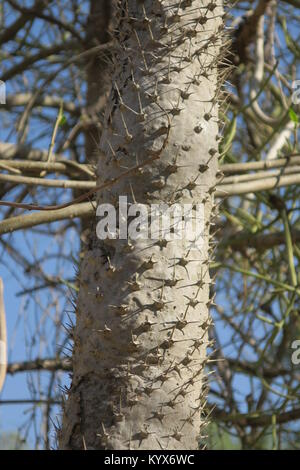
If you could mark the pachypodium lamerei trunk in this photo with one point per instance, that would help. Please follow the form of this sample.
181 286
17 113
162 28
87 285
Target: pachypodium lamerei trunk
143 307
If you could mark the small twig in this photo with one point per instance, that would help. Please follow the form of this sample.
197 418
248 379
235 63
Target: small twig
53 137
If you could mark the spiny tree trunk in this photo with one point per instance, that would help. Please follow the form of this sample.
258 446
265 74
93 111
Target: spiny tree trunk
142 310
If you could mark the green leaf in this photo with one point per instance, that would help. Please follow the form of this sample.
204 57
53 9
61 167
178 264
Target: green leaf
62 120
228 139
293 116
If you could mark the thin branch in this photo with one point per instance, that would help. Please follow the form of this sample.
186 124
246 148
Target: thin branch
257 418
289 160
40 364
60 166
22 99
30 402
257 241
83 210
51 183
256 186
234 179
10 151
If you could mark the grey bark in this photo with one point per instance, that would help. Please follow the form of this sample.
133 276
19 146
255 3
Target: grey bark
143 306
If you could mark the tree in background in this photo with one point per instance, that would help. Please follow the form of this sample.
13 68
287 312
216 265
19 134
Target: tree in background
56 62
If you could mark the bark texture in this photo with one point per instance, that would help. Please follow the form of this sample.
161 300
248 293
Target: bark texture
143 307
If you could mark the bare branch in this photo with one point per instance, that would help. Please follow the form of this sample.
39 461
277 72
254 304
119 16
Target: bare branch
27 221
